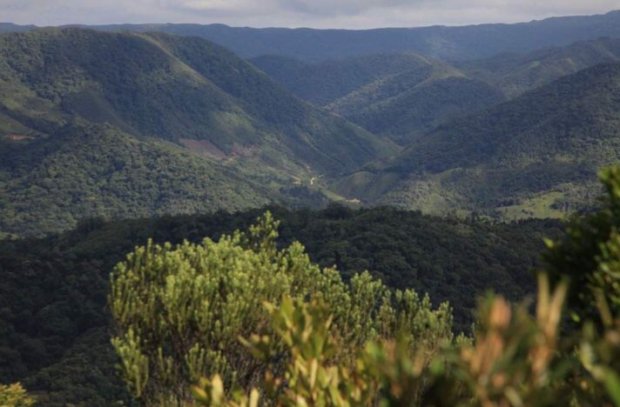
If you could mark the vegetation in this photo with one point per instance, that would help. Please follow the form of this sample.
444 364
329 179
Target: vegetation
331 306
99 171
405 106
515 74
514 359
14 395
324 82
56 337
396 96
182 108
191 302
537 154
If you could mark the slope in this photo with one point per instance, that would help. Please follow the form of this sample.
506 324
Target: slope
412 102
533 156
323 82
166 95
517 73
394 96
177 88
444 42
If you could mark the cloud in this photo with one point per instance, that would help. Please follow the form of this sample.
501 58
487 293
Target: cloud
295 13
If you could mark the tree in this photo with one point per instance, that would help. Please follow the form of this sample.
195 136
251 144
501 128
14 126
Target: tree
14 395
589 252
179 311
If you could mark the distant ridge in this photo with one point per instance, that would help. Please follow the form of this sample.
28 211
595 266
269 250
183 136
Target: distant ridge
449 43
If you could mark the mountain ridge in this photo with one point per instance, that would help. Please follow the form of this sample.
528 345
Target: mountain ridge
444 42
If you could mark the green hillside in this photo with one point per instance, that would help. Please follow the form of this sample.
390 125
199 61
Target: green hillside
50 184
158 124
517 73
533 156
323 82
56 338
402 106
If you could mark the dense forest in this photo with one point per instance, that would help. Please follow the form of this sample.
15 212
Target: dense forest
55 337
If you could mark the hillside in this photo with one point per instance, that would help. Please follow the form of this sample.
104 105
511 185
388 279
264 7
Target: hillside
56 337
323 82
51 184
394 96
517 73
413 102
156 96
533 156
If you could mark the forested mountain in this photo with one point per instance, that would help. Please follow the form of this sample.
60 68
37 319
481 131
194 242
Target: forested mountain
517 73
323 82
411 103
533 156
56 336
137 124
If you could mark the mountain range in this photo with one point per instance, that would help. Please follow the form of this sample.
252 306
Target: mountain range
444 42
102 123
447 43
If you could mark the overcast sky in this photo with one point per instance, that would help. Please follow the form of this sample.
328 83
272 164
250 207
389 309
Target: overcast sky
295 13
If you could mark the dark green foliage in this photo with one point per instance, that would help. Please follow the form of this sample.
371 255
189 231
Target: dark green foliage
171 88
517 73
573 114
324 82
533 156
87 172
587 254
408 105
66 276
396 96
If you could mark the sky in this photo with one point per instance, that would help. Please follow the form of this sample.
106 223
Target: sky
296 13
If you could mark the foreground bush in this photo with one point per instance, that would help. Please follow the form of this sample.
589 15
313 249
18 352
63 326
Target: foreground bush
180 311
14 395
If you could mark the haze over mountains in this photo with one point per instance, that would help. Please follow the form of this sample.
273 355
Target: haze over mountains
96 123
448 43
